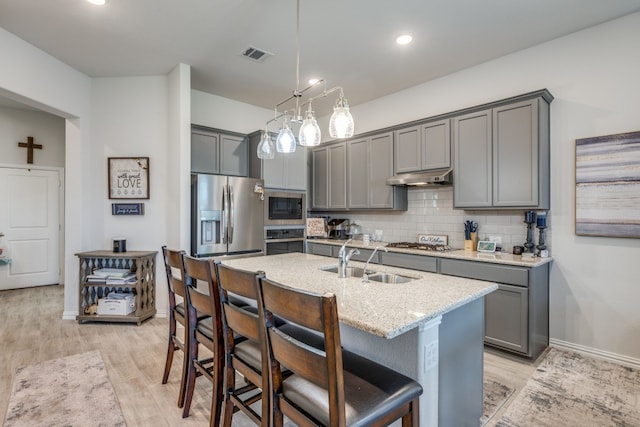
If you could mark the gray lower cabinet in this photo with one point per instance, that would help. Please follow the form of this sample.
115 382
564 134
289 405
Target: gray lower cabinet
410 261
517 314
506 318
501 156
320 249
219 153
332 251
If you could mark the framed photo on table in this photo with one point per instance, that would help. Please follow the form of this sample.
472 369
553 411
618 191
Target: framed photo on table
128 177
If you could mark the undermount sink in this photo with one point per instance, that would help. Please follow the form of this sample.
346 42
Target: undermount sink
351 271
372 275
390 278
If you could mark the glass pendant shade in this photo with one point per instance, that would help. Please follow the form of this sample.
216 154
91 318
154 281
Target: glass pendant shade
266 149
310 134
286 142
341 122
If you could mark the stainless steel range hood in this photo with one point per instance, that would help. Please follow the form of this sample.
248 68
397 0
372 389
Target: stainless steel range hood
436 177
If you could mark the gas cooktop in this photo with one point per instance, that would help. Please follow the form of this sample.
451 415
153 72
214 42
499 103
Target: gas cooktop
419 246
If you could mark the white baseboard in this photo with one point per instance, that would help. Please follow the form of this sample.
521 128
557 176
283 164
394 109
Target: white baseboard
620 359
69 315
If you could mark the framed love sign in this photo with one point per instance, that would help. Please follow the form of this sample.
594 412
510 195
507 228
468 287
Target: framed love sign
128 177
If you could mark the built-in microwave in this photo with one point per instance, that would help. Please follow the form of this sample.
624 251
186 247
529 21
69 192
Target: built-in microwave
282 208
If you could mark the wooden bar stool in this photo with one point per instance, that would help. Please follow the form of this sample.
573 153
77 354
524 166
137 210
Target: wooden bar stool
174 267
206 332
244 349
330 387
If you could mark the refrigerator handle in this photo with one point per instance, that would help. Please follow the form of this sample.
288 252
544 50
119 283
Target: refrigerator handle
231 214
225 216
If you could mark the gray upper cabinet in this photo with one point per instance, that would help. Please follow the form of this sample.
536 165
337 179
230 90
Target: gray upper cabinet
381 195
370 164
234 155
436 145
338 176
205 149
423 147
501 156
472 160
358 173
286 171
329 176
517 148
219 153
320 178
407 150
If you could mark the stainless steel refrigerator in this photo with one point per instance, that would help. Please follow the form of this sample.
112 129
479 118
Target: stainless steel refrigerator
226 215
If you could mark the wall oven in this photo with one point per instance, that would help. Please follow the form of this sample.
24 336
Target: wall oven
283 240
283 208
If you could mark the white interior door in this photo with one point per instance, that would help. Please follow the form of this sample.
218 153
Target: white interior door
29 220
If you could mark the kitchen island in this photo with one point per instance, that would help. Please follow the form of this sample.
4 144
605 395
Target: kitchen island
430 328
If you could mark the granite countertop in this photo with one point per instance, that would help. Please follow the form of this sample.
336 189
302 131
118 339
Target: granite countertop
497 258
385 310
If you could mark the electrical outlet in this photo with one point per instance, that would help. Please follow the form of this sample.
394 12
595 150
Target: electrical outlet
497 239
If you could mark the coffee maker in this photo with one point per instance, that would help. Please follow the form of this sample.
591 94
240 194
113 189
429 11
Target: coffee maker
338 229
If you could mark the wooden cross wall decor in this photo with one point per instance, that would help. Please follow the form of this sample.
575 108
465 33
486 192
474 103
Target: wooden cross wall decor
29 145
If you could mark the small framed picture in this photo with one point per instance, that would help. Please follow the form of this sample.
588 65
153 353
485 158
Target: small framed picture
486 246
128 177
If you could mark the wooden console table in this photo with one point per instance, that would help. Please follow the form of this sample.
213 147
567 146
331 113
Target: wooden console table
143 263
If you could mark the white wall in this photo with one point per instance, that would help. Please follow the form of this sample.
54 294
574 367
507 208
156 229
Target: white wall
226 114
593 76
45 128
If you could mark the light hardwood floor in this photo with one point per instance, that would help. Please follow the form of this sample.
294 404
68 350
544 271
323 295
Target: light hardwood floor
32 331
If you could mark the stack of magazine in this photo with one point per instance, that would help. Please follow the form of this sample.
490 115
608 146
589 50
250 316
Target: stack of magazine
112 276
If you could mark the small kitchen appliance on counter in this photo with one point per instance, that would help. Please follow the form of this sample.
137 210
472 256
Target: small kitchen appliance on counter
338 228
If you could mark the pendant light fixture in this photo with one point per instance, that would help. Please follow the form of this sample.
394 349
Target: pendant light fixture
341 122
310 134
286 142
340 125
266 149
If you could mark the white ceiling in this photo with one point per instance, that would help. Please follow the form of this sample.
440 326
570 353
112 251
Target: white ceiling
349 43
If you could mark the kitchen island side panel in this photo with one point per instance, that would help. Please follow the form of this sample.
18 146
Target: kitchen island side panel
455 350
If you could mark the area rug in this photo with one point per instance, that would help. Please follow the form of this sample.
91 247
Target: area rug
69 391
569 389
495 395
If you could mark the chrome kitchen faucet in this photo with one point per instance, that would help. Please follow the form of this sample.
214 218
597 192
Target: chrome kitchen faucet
365 275
344 258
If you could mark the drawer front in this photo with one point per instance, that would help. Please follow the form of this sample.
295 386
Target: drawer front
511 275
364 255
318 249
410 261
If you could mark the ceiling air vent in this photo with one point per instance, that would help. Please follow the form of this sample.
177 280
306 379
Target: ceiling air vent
256 54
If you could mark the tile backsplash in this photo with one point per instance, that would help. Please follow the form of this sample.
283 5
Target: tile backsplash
430 211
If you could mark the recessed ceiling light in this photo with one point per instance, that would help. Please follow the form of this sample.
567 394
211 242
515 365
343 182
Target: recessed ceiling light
313 81
404 39
98 2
